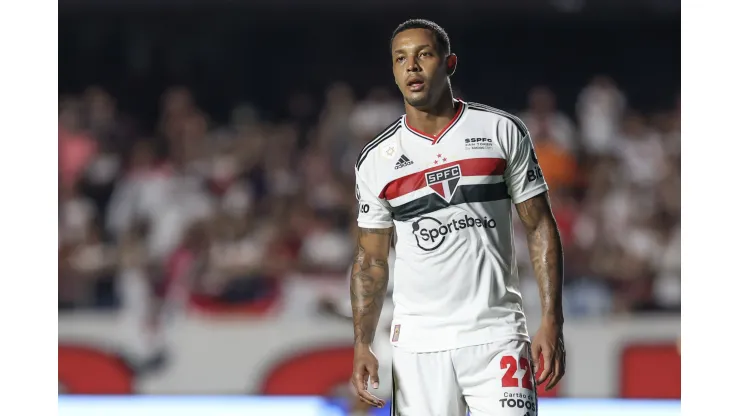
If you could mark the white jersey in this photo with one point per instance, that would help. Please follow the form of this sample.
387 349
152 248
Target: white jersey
449 198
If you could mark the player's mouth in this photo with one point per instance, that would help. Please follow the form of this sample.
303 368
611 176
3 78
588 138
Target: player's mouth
415 84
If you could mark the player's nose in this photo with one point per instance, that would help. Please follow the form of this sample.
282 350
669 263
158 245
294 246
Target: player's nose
412 65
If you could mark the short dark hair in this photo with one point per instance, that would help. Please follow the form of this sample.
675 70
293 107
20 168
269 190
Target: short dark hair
440 36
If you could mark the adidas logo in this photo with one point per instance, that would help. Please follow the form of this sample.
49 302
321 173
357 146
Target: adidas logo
403 161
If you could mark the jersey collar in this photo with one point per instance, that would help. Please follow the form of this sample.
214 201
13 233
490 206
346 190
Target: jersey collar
438 137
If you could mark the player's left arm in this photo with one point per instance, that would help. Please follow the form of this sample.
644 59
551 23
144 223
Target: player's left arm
546 253
528 191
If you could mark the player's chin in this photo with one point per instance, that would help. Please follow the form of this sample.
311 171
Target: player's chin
417 99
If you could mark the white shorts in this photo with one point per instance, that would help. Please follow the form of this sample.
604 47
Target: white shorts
493 379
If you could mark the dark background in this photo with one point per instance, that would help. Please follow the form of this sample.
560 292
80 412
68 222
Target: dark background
262 54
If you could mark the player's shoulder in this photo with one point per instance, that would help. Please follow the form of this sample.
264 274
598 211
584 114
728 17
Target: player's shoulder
376 144
500 118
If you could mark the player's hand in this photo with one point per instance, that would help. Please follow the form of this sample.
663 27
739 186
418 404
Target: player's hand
366 366
548 342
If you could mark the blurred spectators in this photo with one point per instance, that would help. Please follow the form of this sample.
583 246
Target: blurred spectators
600 108
544 121
198 211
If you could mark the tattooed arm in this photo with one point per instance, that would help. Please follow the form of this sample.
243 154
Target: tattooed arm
369 281
546 253
367 291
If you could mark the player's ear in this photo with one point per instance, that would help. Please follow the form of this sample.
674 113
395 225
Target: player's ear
451 64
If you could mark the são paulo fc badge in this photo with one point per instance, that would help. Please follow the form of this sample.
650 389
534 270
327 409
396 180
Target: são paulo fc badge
444 181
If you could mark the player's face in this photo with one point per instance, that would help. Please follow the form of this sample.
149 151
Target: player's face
418 67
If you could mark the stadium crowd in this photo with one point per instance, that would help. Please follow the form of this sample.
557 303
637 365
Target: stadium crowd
227 211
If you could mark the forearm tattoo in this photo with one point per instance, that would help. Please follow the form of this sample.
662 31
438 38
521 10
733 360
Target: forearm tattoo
546 253
369 281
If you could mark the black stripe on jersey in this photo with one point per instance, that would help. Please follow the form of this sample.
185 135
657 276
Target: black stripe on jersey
380 140
463 195
519 123
387 132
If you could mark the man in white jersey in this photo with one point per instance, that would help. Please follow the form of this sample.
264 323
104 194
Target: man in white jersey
444 175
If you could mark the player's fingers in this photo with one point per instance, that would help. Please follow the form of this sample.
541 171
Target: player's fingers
557 374
370 399
536 350
366 398
360 386
546 367
562 362
363 398
374 379
359 380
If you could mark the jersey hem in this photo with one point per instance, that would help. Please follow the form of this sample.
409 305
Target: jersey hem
378 225
514 337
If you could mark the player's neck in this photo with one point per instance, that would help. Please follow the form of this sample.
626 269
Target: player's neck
432 120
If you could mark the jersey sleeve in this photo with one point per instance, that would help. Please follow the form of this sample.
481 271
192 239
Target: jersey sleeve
373 211
523 175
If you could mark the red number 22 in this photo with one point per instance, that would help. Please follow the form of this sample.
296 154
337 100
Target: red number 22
509 380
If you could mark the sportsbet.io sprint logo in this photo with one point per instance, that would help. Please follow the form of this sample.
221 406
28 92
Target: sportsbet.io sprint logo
430 232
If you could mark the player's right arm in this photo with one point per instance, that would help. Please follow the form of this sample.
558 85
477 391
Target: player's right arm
368 285
369 281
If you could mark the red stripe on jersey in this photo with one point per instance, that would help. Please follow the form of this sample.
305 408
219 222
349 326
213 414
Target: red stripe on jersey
436 137
468 167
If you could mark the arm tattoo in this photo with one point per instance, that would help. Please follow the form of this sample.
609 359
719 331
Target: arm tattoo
369 281
546 253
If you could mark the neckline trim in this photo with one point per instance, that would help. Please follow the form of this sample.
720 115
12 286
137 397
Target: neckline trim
438 137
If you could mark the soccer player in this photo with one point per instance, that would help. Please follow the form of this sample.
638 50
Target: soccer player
442 178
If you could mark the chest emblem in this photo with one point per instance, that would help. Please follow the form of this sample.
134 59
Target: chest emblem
444 181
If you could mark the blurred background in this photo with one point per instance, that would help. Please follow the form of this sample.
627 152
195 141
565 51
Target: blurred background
206 204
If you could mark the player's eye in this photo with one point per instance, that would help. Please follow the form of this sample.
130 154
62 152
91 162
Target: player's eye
426 54
399 59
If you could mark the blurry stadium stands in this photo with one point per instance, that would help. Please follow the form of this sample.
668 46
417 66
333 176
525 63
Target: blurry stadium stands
208 161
